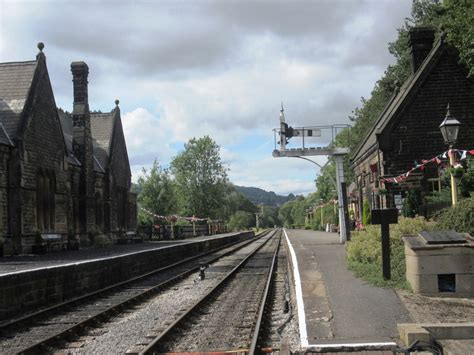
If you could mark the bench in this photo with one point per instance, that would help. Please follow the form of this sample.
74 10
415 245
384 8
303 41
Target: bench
50 241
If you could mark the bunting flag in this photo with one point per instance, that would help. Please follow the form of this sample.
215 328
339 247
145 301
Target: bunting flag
459 154
175 217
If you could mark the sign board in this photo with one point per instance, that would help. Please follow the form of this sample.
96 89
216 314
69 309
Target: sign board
398 201
299 132
387 215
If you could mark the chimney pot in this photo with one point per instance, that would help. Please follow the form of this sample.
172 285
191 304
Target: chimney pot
420 41
80 71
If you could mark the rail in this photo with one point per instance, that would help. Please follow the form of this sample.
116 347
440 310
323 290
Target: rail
50 339
151 348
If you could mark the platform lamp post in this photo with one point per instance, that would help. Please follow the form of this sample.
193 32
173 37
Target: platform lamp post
450 129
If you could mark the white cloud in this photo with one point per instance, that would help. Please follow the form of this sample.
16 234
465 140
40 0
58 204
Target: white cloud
146 138
216 67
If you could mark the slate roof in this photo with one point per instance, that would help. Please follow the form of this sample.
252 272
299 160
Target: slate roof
102 126
65 119
397 102
15 83
4 137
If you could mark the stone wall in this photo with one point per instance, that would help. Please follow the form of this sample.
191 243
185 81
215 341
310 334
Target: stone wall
41 147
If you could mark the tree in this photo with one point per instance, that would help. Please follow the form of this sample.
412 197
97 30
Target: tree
155 193
241 220
200 178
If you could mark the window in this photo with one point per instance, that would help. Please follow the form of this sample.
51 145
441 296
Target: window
45 200
433 185
99 211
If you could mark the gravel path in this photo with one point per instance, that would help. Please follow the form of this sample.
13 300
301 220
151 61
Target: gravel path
130 330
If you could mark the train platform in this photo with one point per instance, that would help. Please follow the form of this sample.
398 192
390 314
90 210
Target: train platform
30 282
30 262
336 310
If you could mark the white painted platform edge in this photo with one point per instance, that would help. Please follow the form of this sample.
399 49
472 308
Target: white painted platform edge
352 345
299 295
79 262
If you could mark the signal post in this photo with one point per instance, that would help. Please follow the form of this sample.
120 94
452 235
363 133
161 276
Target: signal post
286 132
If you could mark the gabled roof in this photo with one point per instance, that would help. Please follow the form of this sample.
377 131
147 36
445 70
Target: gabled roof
66 125
102 127
15 83
398 101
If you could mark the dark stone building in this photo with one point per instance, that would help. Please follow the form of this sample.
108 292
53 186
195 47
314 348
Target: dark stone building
63 176
408 128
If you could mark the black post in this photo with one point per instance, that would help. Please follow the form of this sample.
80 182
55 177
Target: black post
385 217
345 210
385 250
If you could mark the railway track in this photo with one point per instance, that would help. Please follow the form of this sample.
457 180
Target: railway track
228 317
37 332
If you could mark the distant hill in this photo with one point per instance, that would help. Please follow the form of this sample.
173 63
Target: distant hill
259 196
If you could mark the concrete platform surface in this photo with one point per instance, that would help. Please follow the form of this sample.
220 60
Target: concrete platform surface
23 263
336 307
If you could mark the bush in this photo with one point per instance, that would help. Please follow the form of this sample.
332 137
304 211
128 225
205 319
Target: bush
459 217
411 204
101 241
366 217
364 253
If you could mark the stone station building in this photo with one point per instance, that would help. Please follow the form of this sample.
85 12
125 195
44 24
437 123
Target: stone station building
64 177
408 128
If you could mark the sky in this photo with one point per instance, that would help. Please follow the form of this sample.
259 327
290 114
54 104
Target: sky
184 69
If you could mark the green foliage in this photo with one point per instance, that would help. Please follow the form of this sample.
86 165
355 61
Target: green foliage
269 217
200 178
155 193
259 196
439 196
411 204
101 241
364 253
325 185
241 220
233 202
459 217
366 216
329 214
466 183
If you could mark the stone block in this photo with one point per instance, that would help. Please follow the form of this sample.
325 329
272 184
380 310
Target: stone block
440 264
412 332
465 284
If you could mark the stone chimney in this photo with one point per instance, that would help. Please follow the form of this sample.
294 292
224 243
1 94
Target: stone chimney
80 71
82 145
420 42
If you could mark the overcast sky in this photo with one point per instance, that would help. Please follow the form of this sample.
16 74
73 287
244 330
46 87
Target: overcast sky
185 69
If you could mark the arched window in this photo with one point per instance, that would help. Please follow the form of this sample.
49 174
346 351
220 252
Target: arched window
99 210
45 200
39 201
52 200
